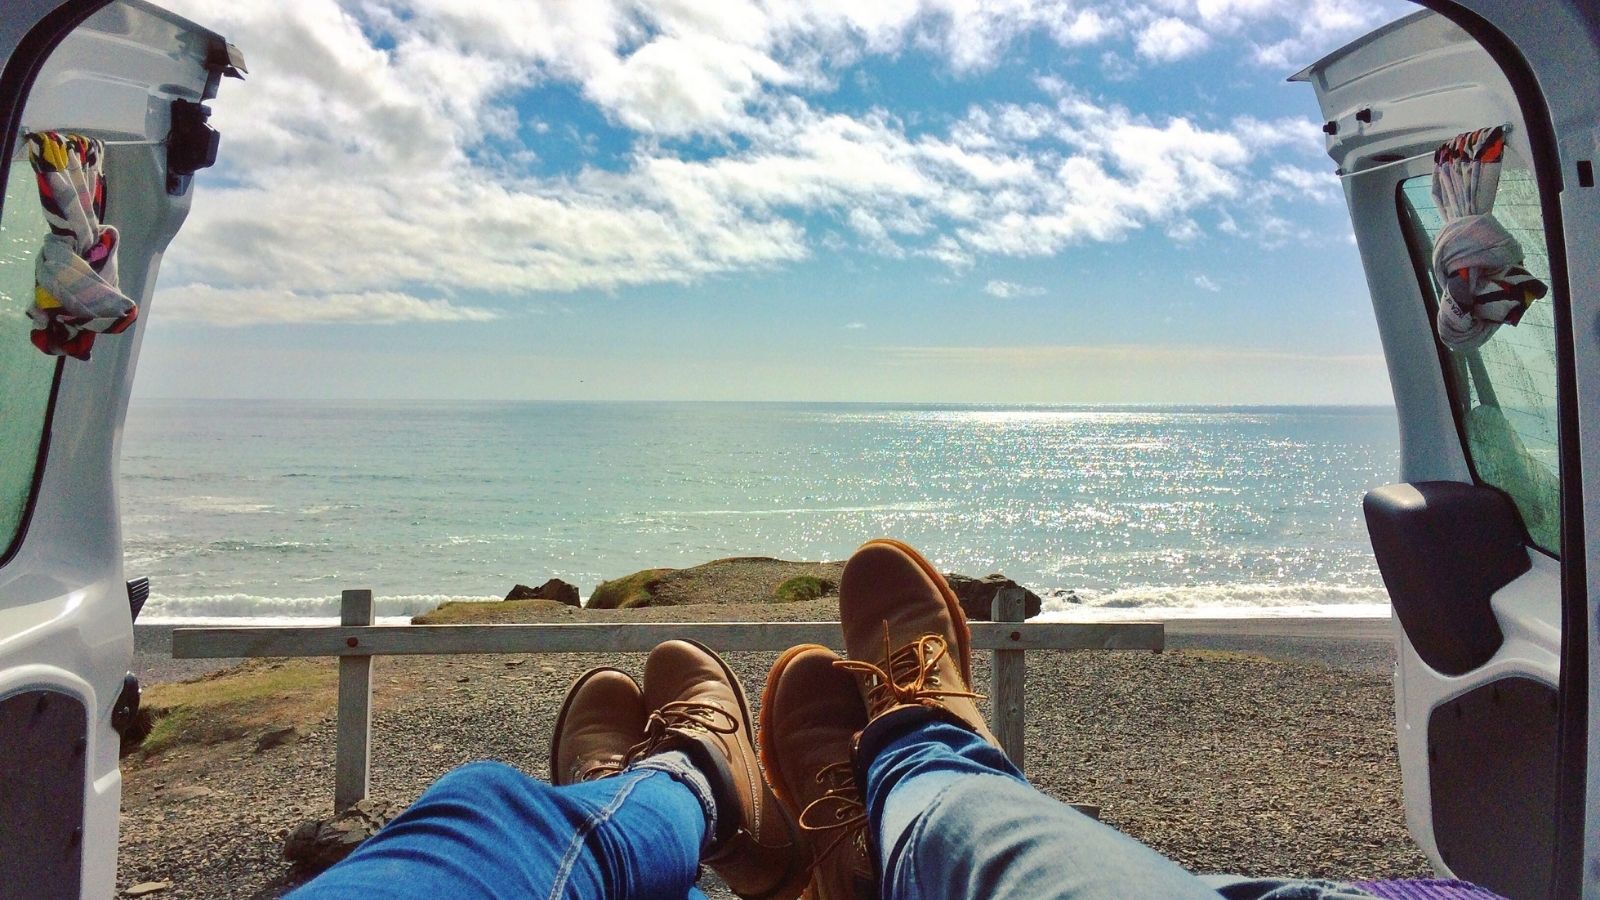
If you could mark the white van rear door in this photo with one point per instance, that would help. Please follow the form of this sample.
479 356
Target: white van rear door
133 76
1483 546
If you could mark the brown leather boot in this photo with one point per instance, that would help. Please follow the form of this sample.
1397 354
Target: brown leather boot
602 718
697 706
906 635
810 713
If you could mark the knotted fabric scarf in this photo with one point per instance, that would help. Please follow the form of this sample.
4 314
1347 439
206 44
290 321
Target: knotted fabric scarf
1476 262
75 275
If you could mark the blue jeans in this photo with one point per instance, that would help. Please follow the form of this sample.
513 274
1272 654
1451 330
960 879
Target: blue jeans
487 830
949 817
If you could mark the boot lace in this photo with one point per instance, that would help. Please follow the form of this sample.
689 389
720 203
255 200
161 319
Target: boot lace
839 810
678 718
910 674
594 769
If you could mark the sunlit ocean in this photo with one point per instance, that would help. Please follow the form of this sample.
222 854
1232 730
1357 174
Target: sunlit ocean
268 509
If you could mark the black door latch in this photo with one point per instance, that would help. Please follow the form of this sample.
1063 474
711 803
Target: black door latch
191 144
127 705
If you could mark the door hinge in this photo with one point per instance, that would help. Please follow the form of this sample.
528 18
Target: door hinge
222 59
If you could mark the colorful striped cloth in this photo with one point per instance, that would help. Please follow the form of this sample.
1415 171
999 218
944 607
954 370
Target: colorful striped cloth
1476 262
1427 889
1233 887
75 274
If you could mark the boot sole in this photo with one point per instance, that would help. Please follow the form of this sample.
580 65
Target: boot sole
957 615
566 705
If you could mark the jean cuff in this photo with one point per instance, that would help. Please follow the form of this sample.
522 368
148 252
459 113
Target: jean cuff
677 765
890 727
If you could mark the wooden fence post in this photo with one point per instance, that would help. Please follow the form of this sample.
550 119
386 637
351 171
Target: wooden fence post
1010 675
353 748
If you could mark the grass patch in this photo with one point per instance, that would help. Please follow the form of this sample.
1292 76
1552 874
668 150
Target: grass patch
232 703
471 612
627 592
801 588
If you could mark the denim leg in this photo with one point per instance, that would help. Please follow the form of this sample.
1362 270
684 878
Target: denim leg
952 817
487 830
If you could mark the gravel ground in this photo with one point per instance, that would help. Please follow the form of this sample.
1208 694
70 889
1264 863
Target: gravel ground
1224 760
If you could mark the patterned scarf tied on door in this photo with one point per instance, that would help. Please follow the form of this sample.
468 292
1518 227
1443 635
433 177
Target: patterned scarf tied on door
75 275
1476 262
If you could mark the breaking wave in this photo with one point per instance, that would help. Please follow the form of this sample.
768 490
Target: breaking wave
160 609
1233 599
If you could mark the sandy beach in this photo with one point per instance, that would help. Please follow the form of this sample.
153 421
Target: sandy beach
1249 746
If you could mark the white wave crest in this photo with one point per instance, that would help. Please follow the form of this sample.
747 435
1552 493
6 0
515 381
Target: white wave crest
172 610
910 507
1229 599
236 505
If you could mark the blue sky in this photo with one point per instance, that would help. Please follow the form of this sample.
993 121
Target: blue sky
1013 201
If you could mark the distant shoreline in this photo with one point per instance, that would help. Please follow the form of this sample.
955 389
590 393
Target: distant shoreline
881 404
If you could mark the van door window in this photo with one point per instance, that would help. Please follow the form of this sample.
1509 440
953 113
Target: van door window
26 375
1504 392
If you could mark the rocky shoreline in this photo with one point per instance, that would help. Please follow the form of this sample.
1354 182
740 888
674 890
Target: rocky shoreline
1244 748
748 579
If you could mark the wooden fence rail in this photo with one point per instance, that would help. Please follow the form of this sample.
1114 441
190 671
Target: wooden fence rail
355 641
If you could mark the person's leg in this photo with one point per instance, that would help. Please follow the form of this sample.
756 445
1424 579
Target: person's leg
950 815
488 830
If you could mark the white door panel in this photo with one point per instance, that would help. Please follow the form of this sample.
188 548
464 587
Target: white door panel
1416 78
1389 100
65 623
1529 612
117 75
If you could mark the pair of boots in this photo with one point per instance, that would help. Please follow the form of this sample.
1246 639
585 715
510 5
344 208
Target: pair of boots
801 824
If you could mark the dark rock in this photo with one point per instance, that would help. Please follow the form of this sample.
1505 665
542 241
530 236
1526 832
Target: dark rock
554 589
316 845
277 737
977 595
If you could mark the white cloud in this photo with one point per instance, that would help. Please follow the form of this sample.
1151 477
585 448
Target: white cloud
855 326
1170 38
1304 135
201 303
1141 354
1204 283
1008 289
1319 27
1086 27
1222 11
1320 185
375 153
683 84
1184 230
1116 67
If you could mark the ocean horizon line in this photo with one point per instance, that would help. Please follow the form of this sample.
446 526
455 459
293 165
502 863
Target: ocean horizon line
1108 405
